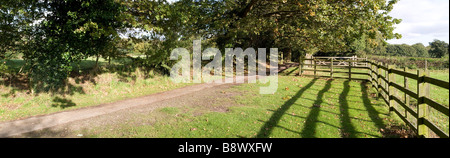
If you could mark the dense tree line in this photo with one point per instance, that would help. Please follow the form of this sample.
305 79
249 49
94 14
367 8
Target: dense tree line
436 49
54 34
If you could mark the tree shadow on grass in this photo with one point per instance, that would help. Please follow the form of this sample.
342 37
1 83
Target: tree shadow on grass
292 71
392 131
83 72
268 126
309 128
125 70
62 103
373 113
347 130
44 133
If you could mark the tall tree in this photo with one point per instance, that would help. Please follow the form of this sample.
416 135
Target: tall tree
16 19
70 31
407 50
421 50
438 49
328 26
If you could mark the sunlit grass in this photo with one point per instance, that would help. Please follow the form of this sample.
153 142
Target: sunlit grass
302 107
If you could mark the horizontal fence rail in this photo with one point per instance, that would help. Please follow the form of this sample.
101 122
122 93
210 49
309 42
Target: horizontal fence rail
382 78
385 83
344 65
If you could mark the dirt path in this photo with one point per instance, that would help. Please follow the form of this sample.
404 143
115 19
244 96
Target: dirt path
59 124
108 113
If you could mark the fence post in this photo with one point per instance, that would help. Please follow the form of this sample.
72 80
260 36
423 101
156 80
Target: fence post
386 84
350 70
390 78
366 61
332 65
373 69
315 68
427 88
300 69
379 80
406 96
354 58
427 73
422 111
282 59
369 65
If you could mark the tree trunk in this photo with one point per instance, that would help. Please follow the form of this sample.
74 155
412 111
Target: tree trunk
96 64
247 9
287 53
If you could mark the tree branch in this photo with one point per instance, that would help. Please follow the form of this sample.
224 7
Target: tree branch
247 9
282 12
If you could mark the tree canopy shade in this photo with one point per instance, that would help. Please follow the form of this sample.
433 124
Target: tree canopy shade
53 34
329 26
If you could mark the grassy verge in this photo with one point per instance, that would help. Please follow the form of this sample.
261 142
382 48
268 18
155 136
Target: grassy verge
302 107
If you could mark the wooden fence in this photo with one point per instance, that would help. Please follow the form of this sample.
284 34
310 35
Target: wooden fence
333 63
382 78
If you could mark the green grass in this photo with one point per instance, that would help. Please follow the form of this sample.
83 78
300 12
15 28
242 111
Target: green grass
170 110
302 107
440 95
15 64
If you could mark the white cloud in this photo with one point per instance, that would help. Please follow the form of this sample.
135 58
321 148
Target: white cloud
423 21
171 1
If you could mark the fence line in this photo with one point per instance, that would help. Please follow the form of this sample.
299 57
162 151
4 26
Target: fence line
382 78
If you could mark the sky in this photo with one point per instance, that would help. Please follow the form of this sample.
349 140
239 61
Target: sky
423 21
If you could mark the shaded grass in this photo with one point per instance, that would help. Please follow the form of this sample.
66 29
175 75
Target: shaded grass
109 83
107 88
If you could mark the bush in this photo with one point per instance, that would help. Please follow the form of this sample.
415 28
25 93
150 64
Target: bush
3 68
412 66
414 62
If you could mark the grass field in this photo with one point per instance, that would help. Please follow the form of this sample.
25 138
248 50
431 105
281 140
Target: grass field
302 107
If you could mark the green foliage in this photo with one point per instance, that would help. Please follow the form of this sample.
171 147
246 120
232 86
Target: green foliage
408 50
401 50
296 25
70 31
3 68
438 49
17 18
413 62
421 50
54 34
